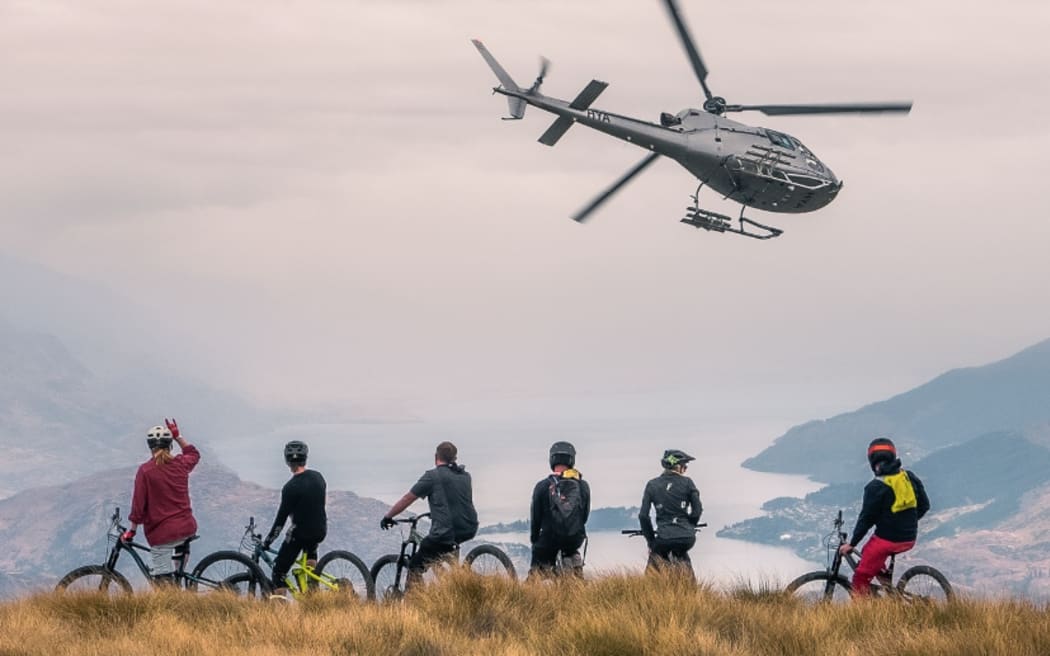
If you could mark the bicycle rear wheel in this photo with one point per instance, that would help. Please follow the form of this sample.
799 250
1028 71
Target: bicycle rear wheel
349 571
384 575
820 587
94 579
925 583
229 571
490 560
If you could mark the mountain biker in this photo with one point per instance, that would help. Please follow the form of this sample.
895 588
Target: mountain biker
894 502
161 500
678 510
453 519
302 499
561 504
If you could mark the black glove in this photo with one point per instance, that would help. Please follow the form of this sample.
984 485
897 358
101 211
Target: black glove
386 523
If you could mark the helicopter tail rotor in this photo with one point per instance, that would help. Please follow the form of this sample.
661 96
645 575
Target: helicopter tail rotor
544 65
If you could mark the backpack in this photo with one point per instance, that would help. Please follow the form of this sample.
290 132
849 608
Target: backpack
565 503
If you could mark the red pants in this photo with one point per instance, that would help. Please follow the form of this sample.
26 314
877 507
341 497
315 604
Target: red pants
873 560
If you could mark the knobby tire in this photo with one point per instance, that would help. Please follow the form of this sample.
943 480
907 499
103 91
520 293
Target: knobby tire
383 573
109 581
925 582
812 587
480 560
351 573
229 571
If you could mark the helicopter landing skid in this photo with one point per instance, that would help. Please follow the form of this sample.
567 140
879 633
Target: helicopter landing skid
715 222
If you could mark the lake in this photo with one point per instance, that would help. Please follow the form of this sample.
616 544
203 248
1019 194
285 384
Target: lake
505 449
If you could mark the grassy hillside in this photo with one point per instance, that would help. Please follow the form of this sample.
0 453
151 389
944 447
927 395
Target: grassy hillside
464 614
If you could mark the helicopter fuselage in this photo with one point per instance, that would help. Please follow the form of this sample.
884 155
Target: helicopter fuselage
753 166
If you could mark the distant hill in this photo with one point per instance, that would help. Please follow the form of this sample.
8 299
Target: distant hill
1009 395
601 519
59 420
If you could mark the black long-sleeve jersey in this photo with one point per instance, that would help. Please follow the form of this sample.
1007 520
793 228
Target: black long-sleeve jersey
302 499
678 506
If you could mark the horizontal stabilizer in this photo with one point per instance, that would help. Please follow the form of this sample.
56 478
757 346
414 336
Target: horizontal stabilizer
589 94
556 130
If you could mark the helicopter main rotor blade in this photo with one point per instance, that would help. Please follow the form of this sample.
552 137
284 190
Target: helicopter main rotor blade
828 108
690 47
582 215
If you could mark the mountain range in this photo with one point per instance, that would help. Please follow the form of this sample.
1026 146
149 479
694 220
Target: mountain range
1012 394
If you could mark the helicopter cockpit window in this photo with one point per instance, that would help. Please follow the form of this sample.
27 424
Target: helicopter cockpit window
781 140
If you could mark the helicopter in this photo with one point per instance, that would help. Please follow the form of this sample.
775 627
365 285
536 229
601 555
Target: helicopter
754 166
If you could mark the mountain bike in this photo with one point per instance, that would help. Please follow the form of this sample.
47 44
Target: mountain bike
654 562
337 571
106 579
390 572
920 583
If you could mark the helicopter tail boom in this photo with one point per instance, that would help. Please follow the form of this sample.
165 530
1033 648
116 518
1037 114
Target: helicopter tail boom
516 106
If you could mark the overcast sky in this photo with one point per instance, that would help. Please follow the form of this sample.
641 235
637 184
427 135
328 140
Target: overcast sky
323 196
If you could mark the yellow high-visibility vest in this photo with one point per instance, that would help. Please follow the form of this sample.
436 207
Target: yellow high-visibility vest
903 491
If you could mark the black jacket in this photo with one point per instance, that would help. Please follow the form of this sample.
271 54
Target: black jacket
678 507
877 510
540 515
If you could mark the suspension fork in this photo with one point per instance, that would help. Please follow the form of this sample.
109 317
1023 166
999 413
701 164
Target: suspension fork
114 554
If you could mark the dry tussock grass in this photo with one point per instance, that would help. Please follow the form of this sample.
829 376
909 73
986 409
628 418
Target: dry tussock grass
466 614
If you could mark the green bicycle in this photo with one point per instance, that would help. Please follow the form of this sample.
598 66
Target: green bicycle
337 571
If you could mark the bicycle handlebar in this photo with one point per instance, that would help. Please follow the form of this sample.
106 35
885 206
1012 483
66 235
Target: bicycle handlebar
637 531
412 520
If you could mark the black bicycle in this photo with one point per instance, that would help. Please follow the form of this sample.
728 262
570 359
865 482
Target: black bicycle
653 563
920 583
337 571
107 579
390 572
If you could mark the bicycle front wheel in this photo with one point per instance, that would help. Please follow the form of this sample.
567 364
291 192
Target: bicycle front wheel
820 587
348 572
388 586
94 579
228 571
925 583
490 560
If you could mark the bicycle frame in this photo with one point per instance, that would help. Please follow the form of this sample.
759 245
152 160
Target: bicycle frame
883 581
300 578
116 529
410 545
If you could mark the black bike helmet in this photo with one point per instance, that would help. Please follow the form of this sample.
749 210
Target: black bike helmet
673 457
562 453
881 450
158 437
295 452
